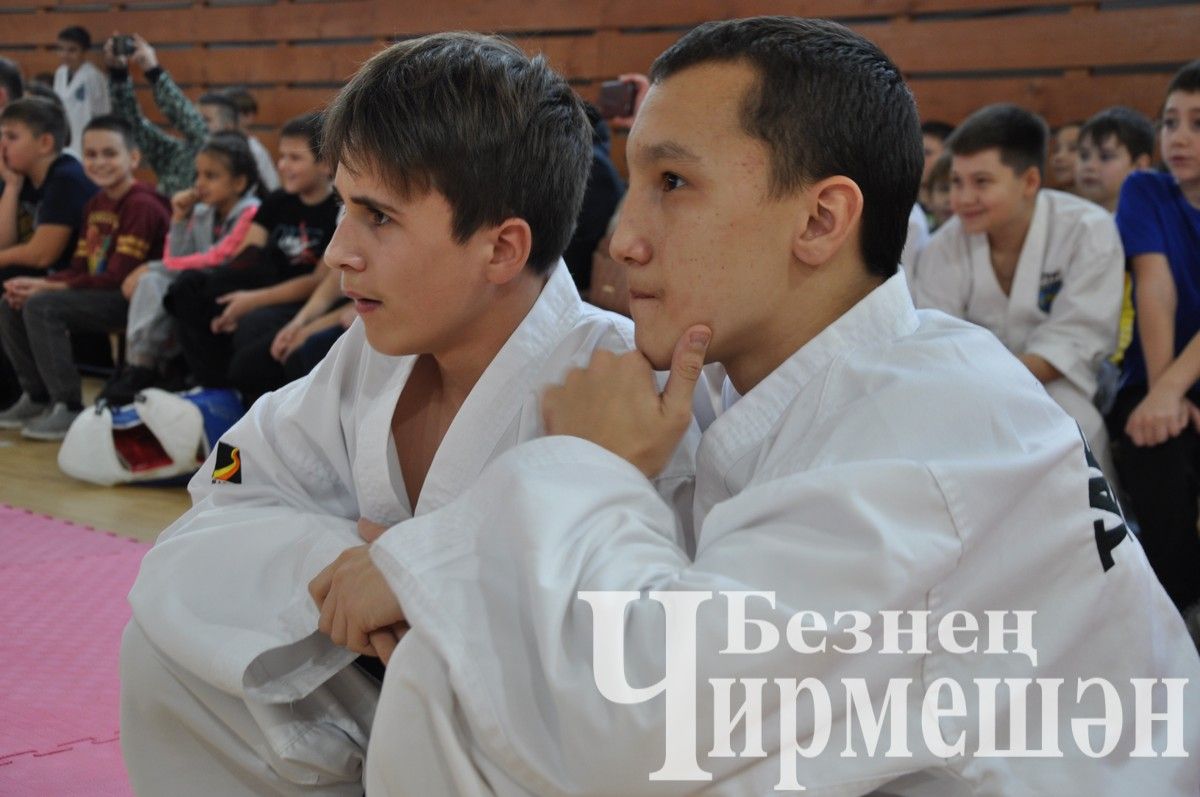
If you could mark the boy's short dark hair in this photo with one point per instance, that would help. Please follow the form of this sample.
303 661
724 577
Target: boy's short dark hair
308 127
937 128
243 101
10 79
827 102
497 133
1131 129
113 124
76 34
1186 79
40 116
1020 135
218 100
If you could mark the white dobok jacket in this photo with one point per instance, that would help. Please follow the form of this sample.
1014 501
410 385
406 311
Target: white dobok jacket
224 592
900 462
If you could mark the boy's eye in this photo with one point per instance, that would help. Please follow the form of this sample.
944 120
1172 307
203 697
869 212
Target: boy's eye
378 218
672 181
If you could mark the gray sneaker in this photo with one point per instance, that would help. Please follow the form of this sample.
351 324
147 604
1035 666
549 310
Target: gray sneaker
25 410
51 425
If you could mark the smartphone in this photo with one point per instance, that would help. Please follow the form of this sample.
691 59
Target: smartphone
616 98
123 45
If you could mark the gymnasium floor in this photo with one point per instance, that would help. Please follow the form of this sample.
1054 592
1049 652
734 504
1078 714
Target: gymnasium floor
30 479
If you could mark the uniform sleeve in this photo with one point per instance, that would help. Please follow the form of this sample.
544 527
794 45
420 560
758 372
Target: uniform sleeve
179 110
1081 329
228 580
157 146
1139 216
140 232
942 278
517 642
219 253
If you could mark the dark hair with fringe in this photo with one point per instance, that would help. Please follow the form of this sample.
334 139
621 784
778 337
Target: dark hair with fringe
232 147
113 124
497 133
308 127
827 102
1019 134
1130 128
41 116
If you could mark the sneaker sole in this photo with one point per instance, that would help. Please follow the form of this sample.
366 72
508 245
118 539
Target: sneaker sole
15 425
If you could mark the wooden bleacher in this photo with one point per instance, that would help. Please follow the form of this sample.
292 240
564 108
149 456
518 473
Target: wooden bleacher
1063 59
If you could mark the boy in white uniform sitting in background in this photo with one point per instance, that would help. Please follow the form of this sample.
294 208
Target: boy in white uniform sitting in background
1042 269
462 165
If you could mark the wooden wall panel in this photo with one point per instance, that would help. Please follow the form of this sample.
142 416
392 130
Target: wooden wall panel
1064 59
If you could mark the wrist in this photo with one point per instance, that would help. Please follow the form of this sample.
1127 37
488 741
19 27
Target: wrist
153 72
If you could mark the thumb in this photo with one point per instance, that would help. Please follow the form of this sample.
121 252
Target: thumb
225 299
686 364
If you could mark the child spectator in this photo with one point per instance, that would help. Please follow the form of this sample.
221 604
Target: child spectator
933 141
12 87
79 84
172 159
223 313
42 187
1112 144
208 225
246 108
937 189
1155 417
125 223
1039 268
1064 148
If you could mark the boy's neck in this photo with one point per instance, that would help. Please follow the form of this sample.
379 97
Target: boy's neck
460 366
37 175
316 194
120 189
1007 239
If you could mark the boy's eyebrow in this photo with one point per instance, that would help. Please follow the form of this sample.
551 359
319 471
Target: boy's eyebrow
666 150
367 202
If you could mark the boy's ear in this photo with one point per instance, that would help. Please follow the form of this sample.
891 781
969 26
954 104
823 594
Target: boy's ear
511 242
46 143
135 158
1031 181
830 213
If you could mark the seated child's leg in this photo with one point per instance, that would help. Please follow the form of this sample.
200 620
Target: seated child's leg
252 369
16 346
150 331
51 316
192 300
1163 484
312 352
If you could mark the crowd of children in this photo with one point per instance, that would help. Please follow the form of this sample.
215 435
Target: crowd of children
1068 245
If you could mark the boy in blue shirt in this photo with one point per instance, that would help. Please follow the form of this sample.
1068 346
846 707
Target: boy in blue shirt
1157 410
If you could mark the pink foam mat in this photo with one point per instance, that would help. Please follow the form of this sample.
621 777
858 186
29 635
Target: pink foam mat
62 589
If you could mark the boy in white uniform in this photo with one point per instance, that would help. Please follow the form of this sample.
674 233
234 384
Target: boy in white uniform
1042 269
879 460
462 165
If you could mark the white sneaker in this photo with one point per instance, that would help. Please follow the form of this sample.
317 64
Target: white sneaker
52 424
25 410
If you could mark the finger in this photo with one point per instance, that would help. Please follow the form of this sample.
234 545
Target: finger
384 641
225 298
326 620
318 588
687 362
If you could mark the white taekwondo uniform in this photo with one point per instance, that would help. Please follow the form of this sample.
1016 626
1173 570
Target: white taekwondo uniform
1065 301
83 96
901 460
915 241
223 670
